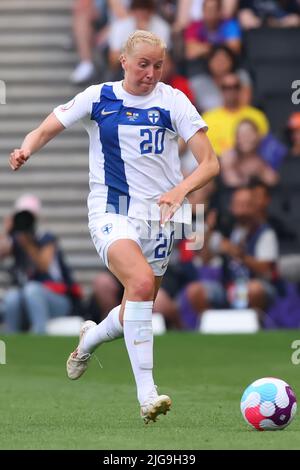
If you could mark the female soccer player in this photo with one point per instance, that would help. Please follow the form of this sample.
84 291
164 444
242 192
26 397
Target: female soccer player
135 187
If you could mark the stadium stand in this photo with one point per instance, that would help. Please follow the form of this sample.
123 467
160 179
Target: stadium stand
272 56
36 63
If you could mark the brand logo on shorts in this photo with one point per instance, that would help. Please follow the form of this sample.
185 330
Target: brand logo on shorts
164 265
153 116
106 229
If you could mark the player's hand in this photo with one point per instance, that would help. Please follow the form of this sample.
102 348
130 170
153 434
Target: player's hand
169 203
17 158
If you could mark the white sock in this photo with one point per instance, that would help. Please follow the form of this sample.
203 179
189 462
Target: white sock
108 330
138 336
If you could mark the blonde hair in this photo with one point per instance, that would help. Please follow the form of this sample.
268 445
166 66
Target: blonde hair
142 36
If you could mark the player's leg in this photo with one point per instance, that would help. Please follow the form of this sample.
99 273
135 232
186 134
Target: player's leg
128 264
137 277
105 231
155 404
42 304
119 247
92 335
111 327
165 305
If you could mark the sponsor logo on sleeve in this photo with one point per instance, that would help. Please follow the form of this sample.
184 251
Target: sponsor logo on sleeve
67 106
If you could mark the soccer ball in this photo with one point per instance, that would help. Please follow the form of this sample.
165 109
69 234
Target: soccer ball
268 404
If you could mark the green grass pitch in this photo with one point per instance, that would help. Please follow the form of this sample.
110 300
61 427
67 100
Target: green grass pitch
204 375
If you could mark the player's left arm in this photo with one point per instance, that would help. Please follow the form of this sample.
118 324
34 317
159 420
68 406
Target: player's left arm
208 168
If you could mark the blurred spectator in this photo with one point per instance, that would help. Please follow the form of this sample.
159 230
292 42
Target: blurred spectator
142 16
187 265
44 286
272 151
192 10
212 30
89 16
106 294
173 78
207 289
223 121
243 162
274 13
294 134
207 86
229 8
188 11
262 197
180 272
167 10
85 13
165 302
252 248
250 255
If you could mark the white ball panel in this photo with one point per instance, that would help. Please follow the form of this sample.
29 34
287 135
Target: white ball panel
267 408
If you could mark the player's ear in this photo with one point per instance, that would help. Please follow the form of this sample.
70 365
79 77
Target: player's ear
123 61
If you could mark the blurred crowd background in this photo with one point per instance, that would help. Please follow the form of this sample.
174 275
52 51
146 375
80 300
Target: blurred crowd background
238 61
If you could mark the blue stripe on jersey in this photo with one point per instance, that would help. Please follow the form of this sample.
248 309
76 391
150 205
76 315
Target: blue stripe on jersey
109 113
105 114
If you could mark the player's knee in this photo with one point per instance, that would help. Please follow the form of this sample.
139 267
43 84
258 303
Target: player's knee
144 336
142 287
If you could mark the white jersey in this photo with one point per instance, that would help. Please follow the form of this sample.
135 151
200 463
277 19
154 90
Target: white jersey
133 155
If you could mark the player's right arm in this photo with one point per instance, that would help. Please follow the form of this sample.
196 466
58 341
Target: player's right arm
63 116
35 140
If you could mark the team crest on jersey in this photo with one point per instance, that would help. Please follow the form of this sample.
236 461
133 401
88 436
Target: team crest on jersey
153 116
106 229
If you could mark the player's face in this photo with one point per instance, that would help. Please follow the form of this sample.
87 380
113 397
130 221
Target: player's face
143 68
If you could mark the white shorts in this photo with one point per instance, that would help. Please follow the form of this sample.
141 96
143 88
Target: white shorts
156 243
